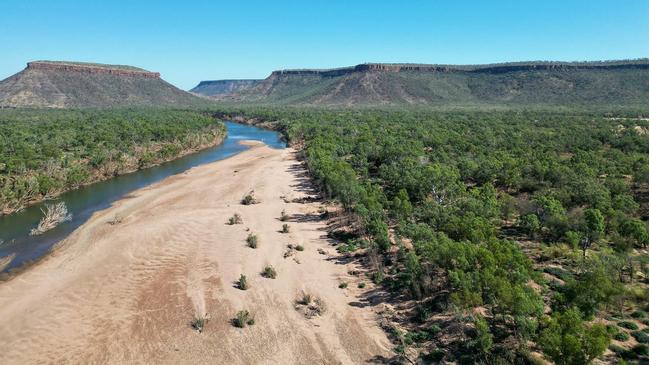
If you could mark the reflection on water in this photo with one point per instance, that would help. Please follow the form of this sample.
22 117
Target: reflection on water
82 203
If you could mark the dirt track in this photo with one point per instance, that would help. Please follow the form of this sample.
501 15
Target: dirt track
126 292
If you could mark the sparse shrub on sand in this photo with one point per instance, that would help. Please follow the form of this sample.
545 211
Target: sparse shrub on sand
249 198
343 285
252 240
361 285
628 325
285 228
198 323
310 305
283 216
53 215
269 272
235 219
243 318
299 248
242 283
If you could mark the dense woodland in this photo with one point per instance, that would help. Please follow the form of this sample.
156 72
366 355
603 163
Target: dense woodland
46 152
516 234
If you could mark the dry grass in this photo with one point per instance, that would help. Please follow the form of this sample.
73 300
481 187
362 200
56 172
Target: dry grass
309 305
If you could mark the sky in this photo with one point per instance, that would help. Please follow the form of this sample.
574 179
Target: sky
190 41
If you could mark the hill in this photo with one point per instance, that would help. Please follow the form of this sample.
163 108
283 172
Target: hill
218 87
55 84
619 83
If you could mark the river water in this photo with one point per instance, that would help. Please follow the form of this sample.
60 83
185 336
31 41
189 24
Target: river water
83 202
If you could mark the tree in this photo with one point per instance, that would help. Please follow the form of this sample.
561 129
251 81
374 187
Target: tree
531 224
636 230
594 223
567 340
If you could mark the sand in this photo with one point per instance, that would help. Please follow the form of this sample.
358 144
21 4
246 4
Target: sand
126 292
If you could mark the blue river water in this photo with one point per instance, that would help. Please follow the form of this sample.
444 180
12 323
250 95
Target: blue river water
83 202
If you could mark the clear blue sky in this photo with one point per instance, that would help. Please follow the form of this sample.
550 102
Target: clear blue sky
189 41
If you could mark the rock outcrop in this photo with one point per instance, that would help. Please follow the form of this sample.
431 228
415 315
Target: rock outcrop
220 87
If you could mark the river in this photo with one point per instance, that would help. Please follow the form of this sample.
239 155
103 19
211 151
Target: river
83 202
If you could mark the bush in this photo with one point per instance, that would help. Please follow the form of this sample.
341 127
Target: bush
309 305
269 272
242 283
621 336
641 350
436 355
299 248
628 325
342 285
243 318
249 199
235 219
252 240
285 228
361 285
283 216
639 314
198 323
645 322
640 336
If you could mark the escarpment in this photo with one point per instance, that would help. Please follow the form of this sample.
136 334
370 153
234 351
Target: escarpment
57 84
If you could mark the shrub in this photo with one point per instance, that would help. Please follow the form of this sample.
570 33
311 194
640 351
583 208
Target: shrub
640 336
299 248
249 199
235 219
269 272
305 299
309 305
628 325
252 240
198 323
639 314
645 322
621 336
243 318
342 285
283 216
285 228
641 349
361 285
436 355
242 283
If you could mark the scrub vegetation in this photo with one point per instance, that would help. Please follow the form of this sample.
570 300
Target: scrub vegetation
513 233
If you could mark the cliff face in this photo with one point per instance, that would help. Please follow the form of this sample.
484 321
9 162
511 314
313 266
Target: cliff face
220 87
488 68
79 85
90 69
615 83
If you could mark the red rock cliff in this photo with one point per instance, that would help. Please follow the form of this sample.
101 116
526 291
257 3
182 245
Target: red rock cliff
90 69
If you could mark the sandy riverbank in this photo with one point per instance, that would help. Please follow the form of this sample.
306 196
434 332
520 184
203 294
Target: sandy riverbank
126 292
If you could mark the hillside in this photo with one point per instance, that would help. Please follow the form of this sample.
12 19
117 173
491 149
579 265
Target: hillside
218 87
79 85
620 83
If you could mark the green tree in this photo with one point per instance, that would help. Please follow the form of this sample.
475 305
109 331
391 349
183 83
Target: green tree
531 224
567 340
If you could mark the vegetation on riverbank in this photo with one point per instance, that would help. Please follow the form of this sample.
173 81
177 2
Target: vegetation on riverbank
510 231
46 152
